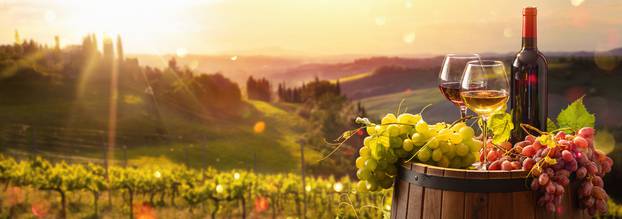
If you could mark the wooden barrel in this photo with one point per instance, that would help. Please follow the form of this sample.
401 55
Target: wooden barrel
429 192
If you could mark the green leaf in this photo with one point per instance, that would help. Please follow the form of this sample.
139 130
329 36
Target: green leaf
576 116
501 125
550 125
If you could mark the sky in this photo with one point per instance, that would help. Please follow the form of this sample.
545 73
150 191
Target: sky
316 27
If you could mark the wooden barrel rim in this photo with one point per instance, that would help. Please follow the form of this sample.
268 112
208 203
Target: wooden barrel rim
497 184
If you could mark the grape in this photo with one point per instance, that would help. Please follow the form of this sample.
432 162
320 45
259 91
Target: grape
433 143
599 193
567 155
364 152
581 172
528 151
530 138
437 155
389 118
361 186
506 146
587 188
363 174
393 130
455 138
424 154
444 162
506 165
589 201
601 205
580 142
445 146
474 146
496 165
418 139
543 179
550 207
550 188
371 164
462 150
560 135
422 127
408 118
528 163
456 127
466 132
592 168
360 162
443 134
537 145
450 154
371 129
586 132
515 165
597 181
492 155
408 145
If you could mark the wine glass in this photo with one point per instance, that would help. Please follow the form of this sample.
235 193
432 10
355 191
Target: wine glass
484 89
450 76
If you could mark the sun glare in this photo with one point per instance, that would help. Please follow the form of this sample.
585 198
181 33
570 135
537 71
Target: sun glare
135 17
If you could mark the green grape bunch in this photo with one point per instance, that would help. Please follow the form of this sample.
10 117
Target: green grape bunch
407 137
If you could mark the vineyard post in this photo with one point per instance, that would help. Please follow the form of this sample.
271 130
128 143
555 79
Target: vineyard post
304 185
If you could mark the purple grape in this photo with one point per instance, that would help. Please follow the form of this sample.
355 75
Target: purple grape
581 172
543 179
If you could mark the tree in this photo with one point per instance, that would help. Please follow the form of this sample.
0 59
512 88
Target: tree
258 89
120 55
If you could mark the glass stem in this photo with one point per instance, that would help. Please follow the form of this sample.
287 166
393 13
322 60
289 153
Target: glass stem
485 138
463 111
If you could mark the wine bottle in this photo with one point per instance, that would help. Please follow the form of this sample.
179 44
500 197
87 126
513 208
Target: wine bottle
528 86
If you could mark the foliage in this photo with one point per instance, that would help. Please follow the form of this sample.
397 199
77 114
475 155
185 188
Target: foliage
258 89
325 197
575 116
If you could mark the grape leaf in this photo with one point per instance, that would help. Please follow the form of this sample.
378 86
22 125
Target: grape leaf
550 125
576 116
501 125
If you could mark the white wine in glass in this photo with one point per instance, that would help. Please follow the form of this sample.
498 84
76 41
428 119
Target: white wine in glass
488 98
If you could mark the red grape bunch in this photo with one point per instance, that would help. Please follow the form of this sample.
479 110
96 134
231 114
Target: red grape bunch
556 157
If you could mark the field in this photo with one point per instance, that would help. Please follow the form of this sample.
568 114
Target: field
225 144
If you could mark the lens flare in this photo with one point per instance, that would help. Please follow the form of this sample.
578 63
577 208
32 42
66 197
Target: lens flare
181 52
338 187
381 20
508 33
144 211
50 16
576 3
409 38
259 127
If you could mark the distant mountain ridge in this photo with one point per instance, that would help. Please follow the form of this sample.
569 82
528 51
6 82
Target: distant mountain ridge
295 69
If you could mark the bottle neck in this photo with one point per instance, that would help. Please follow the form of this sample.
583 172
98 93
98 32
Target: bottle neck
530 43
530 32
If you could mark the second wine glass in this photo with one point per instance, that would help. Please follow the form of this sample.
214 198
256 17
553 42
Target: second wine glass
484 90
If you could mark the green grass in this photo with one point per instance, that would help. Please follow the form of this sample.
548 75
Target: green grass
413 100
276 149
